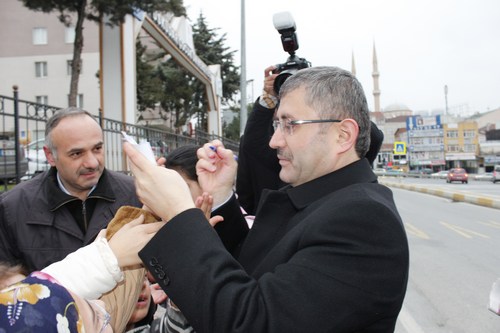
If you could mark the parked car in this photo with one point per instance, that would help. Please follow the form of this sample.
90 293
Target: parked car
159 148
484 176
496 174
457 175
8 159
440 174
426 171
37 162
413 173
379 171
419 173
395 172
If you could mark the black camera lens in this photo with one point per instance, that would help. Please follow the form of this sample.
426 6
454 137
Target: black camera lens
280 79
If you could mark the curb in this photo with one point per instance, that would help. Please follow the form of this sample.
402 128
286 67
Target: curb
454 196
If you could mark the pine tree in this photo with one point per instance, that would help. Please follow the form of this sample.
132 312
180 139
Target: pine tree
211 50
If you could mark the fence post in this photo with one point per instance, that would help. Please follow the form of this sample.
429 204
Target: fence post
16 132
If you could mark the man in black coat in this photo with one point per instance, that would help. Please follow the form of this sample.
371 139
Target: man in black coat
326 253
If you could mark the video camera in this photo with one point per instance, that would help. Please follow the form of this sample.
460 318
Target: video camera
284 23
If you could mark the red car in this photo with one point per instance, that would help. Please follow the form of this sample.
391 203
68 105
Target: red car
457 175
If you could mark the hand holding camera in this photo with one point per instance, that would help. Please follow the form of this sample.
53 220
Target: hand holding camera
284 23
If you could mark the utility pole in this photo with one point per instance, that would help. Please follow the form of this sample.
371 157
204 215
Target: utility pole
250 99
446 99
243 75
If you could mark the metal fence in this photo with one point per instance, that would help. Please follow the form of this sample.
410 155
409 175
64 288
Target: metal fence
24 122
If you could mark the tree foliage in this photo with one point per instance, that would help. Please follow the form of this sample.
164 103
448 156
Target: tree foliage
95 10
232 130
185 95
149 85
211 50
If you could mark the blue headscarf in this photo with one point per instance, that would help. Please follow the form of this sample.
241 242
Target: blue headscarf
38 304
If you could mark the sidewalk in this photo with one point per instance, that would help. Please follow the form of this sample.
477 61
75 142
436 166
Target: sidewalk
456 195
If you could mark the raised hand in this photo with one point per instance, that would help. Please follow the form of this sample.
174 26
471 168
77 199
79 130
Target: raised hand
205 202
131 238
216 169
162 190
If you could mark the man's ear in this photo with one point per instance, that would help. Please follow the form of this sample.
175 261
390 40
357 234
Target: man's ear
348 134
49 156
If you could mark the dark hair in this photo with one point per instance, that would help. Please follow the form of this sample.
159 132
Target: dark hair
183 160
8 270
334 93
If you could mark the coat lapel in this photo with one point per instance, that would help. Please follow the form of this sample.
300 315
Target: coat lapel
271 220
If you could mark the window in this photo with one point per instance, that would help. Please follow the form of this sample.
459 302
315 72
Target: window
39 36
68 67
42 99
69 35
469 133
79 101
470 148
452 134
41 69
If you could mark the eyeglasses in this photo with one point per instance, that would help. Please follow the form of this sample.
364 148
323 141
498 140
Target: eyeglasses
286 125
101 313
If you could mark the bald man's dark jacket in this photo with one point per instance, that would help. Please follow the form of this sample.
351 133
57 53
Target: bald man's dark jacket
40 224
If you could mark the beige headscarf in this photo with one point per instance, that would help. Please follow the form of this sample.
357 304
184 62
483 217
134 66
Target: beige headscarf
120 302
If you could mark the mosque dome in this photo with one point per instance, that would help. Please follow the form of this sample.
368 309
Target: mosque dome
396 107
396 110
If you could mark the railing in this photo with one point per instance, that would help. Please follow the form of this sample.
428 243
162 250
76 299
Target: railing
24 121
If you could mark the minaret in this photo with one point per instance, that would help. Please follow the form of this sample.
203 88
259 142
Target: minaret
375 75
353 66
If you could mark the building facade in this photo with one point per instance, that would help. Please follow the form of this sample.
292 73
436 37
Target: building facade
461 142
426 147
36 55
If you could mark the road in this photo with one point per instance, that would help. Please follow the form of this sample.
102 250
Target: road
454 260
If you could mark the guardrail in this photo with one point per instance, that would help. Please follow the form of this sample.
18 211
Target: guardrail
476 199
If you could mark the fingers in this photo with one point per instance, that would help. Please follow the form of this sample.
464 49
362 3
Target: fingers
215 219
138 162
214 150
136 221
212 154
204 203
269 85
269 70
159 296
101 234
161 161
152 228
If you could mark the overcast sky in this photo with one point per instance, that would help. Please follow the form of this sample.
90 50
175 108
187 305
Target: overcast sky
421 45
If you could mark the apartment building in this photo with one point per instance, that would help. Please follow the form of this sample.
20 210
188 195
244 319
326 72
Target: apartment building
425 142
461 143
36 55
